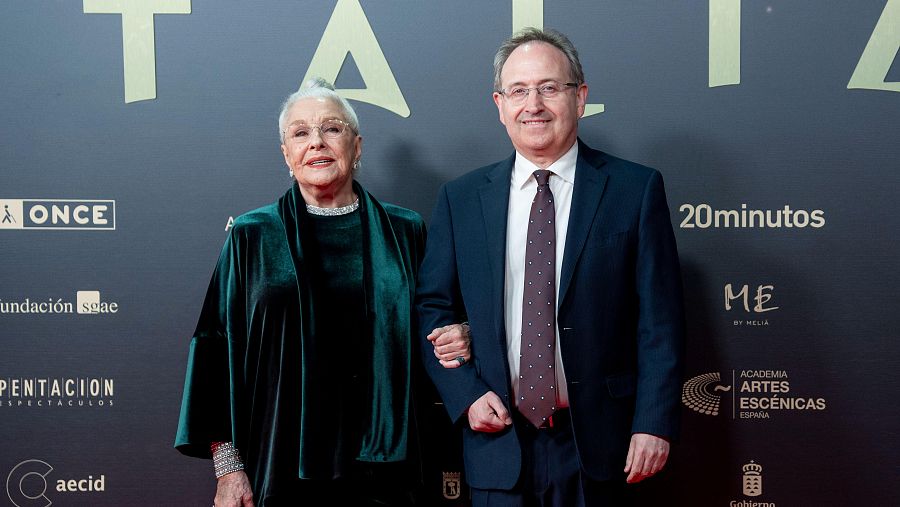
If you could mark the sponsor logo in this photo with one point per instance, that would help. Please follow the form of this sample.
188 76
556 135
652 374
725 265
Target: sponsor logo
58 214
452 486
57 392
752 479
762 303
704 216
752 486
87 302
701 393
28 483
755 395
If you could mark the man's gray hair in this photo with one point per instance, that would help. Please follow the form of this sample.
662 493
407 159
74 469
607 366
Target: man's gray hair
319 88
547 36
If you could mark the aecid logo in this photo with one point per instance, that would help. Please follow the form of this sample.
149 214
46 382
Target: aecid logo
27 484
58 214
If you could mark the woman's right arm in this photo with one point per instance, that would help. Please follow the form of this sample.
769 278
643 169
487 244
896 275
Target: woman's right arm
233 485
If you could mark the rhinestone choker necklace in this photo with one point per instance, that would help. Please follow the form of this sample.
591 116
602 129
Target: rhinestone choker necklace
331 212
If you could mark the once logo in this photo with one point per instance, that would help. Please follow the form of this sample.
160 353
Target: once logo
58 214
698 395
26 484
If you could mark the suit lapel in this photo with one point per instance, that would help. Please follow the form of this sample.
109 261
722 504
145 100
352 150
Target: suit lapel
589 185
494 196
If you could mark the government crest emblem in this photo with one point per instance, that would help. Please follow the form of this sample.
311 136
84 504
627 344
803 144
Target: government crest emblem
452 487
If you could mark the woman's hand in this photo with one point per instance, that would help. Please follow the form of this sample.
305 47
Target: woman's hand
452 345
233 490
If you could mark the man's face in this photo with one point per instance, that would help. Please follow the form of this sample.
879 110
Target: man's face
542 129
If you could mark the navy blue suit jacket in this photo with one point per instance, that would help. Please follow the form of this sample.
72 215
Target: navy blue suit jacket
620 311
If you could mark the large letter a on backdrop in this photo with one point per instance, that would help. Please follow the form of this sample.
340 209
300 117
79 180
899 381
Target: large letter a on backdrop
876 60
348 31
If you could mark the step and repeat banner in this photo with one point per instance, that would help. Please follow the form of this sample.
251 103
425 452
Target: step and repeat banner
134 131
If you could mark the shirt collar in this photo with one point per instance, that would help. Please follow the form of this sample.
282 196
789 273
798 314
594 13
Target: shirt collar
563 167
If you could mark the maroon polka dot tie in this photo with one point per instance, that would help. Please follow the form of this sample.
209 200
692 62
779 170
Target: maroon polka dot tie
537 355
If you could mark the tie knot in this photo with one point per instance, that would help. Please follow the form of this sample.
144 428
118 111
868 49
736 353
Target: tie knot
542 176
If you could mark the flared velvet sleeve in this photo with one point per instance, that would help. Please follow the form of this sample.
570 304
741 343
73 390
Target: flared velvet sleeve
206 406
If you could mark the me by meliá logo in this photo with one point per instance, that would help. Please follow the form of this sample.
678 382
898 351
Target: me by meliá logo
58 214
56 392
762 303
87 302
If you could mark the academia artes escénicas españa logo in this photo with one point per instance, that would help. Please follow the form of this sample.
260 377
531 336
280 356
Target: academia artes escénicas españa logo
755 394
701 393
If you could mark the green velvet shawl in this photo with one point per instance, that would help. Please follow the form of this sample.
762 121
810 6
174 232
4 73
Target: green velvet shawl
252 375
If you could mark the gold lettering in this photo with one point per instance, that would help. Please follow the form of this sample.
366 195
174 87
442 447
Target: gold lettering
763 295
349 31
876 59
724 42
138 44
730 296
531 13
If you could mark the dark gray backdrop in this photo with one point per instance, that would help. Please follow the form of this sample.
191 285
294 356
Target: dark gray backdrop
791 133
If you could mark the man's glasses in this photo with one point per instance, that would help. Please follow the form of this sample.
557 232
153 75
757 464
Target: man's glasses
518 94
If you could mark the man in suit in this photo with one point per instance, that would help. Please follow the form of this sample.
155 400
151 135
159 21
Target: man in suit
562 259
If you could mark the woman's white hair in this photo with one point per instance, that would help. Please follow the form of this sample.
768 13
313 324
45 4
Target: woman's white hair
319 88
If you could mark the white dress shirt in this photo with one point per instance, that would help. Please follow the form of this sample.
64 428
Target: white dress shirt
522 187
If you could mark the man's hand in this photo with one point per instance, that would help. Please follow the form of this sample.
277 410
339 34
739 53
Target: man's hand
647 455
451 342
488 414
233 490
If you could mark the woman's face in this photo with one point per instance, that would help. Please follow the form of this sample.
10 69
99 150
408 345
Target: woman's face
321 164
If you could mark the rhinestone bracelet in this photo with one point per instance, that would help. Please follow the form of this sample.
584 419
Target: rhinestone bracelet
226 458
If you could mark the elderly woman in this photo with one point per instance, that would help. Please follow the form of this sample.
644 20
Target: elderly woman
301 374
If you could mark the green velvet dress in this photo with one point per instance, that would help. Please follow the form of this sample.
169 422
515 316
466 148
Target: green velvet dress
304 373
